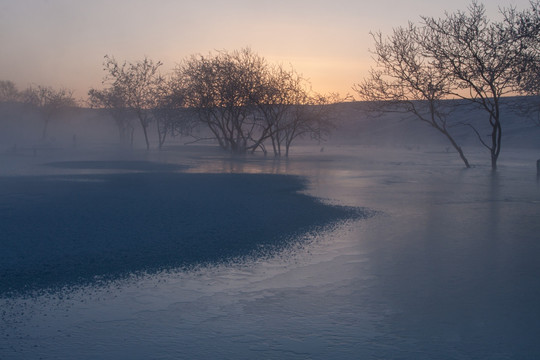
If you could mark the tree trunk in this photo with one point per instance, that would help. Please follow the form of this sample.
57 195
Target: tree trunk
162 134
458 149
146 137
46 125
496 137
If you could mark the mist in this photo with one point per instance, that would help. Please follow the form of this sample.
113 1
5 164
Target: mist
376 242
225 209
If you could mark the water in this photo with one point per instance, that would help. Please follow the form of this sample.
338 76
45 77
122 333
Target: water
446 269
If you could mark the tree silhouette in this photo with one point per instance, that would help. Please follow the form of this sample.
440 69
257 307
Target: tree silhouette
406 81
50 103
223 89
480 57
114 102
8 91
244 101
138 83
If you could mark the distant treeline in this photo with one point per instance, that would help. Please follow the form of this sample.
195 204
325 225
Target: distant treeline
247 104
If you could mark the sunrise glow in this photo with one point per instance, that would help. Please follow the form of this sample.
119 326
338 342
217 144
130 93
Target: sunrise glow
61 43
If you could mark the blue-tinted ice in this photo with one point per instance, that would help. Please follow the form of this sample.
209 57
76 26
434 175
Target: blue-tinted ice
447 268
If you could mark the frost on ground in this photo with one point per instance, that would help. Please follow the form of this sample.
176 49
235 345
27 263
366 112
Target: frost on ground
73 229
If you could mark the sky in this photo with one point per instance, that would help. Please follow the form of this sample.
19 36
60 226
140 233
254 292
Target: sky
61 43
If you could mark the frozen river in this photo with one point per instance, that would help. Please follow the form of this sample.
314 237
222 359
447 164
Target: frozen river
446 268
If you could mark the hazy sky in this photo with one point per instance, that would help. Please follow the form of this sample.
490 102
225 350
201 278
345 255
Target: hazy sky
61 43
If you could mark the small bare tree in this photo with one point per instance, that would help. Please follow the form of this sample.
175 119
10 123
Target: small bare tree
289 111
9 92
50 103
139 84
171 113
405 81
323 112
283 90
114 102
310 116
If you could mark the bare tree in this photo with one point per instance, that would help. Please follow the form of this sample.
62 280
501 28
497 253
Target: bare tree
246 102
171 113
139 83
405 81
479 56
222 89
114 102
324 112
525 25
283 91
50 103
164 112
312 115
9 92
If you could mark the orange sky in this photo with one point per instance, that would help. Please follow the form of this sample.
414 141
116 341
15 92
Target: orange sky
61 43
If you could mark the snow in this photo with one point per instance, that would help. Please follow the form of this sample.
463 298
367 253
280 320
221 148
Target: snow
386 252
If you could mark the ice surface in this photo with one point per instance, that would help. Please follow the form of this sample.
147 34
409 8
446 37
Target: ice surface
71 229
447 268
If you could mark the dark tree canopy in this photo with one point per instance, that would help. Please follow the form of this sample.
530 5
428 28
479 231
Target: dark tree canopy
223 89
238 98
244 101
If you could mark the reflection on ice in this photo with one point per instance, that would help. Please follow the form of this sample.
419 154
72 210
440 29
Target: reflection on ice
266 302
447 269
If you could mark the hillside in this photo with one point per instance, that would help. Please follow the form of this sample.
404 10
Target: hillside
357 126
21 129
